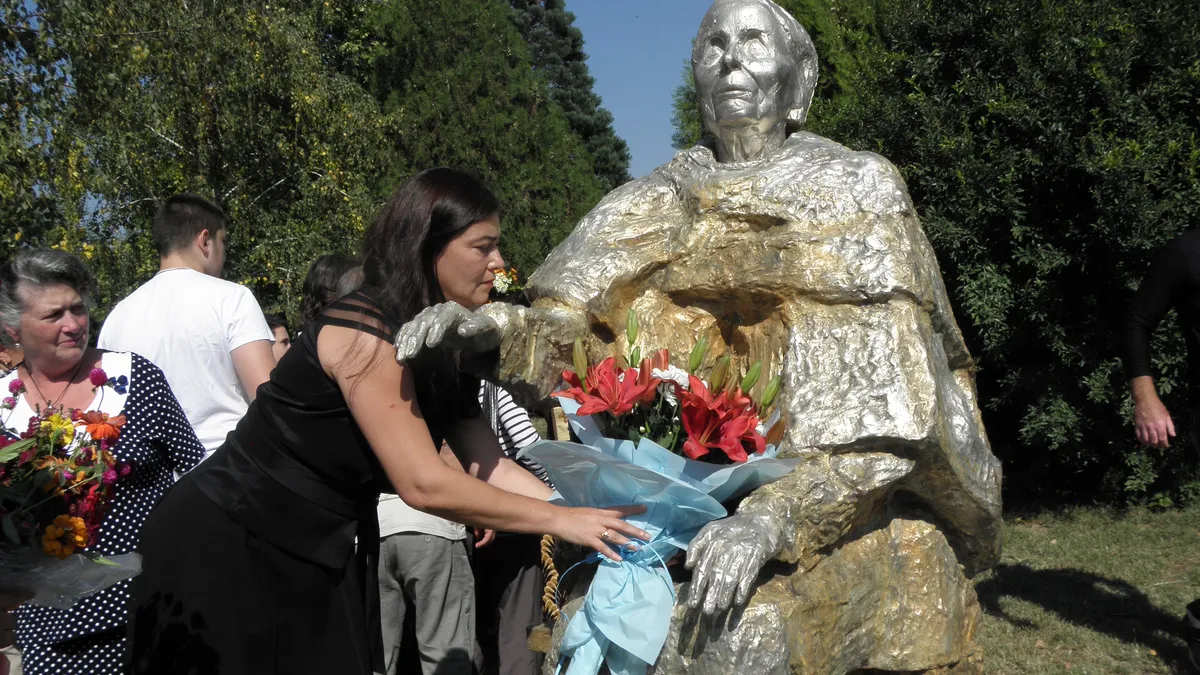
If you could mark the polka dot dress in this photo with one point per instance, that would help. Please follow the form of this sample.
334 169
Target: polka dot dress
90 636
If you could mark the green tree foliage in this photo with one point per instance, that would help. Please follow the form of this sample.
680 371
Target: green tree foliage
34 160
556 47
230 100
298 116
482 109
685 112
1050 149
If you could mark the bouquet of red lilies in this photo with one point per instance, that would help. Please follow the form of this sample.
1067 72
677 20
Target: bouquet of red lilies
718 420
57 478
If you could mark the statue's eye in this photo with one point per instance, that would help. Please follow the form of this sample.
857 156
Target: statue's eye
714 48
756 47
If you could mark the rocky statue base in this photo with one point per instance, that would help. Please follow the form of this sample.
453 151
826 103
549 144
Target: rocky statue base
892 601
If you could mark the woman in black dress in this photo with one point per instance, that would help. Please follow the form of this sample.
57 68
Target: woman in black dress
250 563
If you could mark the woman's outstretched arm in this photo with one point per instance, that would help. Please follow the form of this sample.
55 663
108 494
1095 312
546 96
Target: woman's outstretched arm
382 398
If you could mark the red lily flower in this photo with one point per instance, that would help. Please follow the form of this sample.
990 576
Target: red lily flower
725 422
736 432
647 383
661 359
604 389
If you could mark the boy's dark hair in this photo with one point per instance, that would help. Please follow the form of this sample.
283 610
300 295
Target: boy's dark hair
278 321
181 218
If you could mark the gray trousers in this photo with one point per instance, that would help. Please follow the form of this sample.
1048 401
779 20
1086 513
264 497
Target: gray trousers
510 581
428 580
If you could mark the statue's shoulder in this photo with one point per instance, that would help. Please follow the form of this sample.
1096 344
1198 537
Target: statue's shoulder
820 150
644 203
656 191
875 182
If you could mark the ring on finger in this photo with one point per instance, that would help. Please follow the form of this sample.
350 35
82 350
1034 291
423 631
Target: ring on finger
605 535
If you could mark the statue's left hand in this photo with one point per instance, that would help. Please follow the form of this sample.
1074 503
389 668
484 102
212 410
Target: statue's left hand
726 556
447 325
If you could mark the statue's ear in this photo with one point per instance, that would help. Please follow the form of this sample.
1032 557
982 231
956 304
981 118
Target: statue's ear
804 81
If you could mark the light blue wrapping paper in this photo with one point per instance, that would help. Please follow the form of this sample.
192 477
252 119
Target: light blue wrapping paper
627 609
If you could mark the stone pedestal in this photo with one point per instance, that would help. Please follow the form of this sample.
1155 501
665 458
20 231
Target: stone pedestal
893 600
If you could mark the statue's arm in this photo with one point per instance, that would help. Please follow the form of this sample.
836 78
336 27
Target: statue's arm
796 519
882 190
535 347
819 502
628 231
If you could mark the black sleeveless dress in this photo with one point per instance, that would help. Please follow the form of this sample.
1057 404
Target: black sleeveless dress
249 562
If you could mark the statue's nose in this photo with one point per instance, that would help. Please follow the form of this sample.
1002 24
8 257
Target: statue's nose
730 59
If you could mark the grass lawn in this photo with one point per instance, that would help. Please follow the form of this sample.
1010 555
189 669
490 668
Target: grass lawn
1091 591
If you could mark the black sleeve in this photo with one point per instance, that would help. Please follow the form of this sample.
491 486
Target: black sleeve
1147 307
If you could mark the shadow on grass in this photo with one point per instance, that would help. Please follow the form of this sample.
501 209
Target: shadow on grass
1095 602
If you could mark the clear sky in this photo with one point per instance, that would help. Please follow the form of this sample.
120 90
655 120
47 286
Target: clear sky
636 51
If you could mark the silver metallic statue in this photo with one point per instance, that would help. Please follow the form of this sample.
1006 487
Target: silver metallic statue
785 247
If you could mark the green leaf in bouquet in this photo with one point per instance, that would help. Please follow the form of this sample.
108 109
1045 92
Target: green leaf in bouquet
752 376
579 358
716 380
10 529
697 355
14 450
631 327
772 391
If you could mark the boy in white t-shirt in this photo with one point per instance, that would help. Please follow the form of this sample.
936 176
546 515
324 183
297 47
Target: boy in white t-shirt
207 335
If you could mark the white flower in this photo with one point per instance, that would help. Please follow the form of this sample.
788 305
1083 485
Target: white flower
502 283
667 391
671 374
677 375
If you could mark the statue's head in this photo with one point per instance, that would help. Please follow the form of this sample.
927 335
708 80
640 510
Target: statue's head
755 66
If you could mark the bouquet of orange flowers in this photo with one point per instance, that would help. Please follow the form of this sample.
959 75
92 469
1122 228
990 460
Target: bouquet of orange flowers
57 478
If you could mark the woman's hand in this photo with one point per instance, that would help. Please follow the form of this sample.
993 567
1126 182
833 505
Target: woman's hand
600 529
483 537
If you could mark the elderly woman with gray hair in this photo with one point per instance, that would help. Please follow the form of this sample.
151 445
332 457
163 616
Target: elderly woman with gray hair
44 301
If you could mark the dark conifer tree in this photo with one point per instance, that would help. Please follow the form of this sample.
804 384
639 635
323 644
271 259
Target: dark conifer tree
557 49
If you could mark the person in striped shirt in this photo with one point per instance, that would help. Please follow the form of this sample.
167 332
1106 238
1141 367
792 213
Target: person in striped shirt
508 574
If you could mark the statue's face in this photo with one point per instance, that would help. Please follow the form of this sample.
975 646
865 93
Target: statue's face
742 66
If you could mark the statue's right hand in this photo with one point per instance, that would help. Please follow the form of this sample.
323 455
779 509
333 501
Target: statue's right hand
447 325
725 558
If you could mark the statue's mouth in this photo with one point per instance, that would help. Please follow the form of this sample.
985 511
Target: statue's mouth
731 93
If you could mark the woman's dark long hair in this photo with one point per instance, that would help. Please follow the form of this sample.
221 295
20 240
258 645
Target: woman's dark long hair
329 277
399 252
421 218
